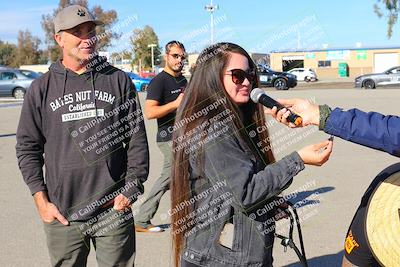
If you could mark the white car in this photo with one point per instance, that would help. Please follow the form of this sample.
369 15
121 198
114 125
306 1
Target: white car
304 74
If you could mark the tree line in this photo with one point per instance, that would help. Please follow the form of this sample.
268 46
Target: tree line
27 50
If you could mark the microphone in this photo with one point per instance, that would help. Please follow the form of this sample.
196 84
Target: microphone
259 96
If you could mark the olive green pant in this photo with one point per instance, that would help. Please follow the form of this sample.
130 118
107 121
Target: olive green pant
111 232
161 185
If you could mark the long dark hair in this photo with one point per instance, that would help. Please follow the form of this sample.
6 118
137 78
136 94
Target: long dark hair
205 88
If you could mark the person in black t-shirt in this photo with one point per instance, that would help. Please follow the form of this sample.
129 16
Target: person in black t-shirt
164 95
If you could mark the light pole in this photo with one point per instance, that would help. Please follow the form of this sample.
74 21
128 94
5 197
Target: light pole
152 55
211 8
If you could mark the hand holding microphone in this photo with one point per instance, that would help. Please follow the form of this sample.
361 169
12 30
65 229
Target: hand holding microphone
316 154
257 95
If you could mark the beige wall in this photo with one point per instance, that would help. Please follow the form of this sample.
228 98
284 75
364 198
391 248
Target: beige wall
333 72
356 66
192 59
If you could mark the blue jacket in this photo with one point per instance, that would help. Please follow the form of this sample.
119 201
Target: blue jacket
369 129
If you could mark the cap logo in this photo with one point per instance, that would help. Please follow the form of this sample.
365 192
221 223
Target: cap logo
81 13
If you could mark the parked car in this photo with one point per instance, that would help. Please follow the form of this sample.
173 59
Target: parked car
371 81
13 83
147 74
304 74
140 83
30 73
279 80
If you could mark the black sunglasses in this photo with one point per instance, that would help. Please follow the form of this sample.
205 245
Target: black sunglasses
239 75
176 56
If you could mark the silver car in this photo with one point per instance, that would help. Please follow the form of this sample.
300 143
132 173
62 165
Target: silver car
371 81
13 83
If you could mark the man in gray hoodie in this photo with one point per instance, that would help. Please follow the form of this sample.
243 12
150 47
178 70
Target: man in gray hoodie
82 120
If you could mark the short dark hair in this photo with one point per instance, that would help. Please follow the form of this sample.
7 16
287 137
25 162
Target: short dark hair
173 43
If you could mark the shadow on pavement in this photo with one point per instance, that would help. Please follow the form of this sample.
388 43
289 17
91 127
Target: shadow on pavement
164 226
303 195
7 135
330 260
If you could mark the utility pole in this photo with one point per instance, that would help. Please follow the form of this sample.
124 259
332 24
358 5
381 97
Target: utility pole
152 55
210 9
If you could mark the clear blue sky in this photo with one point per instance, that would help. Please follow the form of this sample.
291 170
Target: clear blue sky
258 25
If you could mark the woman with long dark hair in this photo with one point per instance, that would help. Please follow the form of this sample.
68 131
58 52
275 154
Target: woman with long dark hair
222 179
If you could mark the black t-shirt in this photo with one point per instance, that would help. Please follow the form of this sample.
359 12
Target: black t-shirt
165 88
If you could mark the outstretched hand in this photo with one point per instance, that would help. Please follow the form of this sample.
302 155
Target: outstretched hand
316 154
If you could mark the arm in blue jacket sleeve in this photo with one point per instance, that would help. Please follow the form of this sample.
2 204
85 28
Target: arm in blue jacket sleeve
369 129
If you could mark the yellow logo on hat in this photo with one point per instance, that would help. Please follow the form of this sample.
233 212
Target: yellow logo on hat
350 243
81 12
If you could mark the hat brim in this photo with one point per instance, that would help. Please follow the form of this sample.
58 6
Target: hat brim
383 222
68 27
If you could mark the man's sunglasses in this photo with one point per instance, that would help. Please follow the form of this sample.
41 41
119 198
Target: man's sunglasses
176 56
239 75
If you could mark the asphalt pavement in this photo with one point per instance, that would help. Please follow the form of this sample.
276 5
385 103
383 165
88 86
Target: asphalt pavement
329 194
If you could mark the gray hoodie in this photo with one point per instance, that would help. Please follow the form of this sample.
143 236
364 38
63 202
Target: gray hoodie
88 132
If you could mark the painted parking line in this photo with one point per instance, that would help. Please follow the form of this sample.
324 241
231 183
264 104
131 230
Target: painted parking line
10 105
10 99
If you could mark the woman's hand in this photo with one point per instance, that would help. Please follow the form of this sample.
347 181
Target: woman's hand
316 154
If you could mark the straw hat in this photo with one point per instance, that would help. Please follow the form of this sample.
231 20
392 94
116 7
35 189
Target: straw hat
383 221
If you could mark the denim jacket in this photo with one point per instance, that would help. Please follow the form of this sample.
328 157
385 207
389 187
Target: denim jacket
234 184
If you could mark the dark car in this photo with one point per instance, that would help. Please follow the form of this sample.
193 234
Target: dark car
13 83
140 83
371 81
279 80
